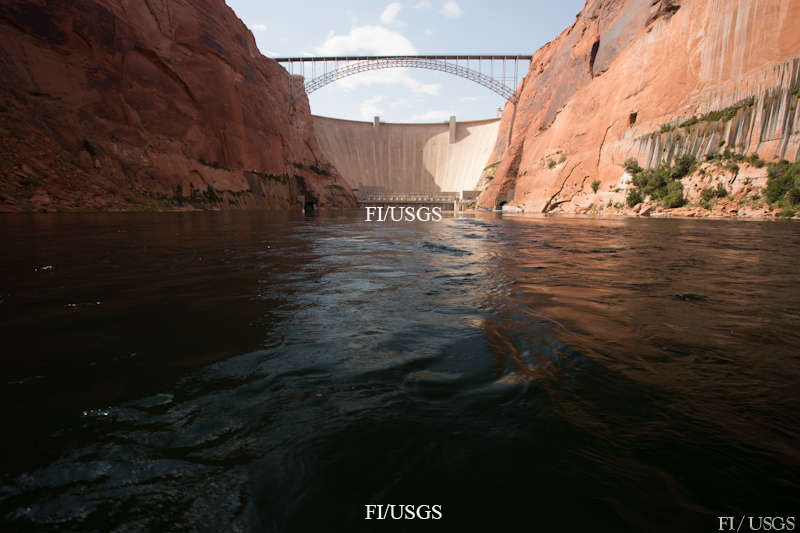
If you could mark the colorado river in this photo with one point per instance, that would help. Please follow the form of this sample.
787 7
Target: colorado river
261 372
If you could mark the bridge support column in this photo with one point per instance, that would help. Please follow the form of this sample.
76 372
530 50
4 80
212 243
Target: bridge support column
452 129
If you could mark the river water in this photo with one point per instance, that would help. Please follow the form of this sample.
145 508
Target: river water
262 372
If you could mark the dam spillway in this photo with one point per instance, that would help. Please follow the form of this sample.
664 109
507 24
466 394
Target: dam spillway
406 158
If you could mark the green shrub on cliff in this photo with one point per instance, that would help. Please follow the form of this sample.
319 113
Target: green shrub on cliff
653 181
728 113
631 166
211 195
684 165
756 160
659 183
177 196
708 195
595 185
673 196
634 197
783 183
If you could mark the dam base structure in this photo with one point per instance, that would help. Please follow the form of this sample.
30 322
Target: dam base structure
444 201
409 164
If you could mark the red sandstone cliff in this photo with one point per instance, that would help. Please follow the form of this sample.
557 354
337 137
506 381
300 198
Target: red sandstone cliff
150 104
601 92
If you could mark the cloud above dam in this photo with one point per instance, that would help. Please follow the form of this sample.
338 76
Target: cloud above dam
367 40
376 40
452 10
371 107
389 14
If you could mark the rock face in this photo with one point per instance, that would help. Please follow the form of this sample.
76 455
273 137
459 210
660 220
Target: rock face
648 79
112 104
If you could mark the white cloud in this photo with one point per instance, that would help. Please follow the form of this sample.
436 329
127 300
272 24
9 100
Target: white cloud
470 98
370 108
259 27
451 10
389 14
422 4
374 40
428 31
432 115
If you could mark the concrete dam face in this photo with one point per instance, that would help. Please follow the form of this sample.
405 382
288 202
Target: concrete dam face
442 157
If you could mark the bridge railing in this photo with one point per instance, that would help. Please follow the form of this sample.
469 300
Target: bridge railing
409 197
499 73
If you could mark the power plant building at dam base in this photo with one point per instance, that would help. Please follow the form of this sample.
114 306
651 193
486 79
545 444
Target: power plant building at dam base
387 158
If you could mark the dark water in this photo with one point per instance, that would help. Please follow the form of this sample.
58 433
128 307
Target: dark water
251 372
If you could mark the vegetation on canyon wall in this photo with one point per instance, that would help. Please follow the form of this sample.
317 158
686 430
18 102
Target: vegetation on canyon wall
720 115
661 183
709 194
783 187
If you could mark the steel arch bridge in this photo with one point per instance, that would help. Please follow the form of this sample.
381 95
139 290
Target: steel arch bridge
493 71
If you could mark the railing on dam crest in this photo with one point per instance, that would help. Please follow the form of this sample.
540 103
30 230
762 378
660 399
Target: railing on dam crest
448 201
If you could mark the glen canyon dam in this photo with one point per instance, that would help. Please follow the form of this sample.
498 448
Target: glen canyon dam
403 158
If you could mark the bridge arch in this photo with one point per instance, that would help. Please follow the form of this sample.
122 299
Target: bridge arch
359 64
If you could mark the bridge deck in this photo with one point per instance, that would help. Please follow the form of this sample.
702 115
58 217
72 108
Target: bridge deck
451 64
309 59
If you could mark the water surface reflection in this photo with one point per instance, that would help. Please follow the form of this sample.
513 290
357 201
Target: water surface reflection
268 373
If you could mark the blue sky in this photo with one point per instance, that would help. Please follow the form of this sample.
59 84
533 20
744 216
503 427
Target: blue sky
362 27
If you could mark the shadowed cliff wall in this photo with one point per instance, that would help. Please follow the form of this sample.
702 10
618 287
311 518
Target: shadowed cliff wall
407 157
156 104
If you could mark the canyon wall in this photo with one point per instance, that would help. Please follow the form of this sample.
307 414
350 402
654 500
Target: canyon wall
151 104
650 80
408 157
